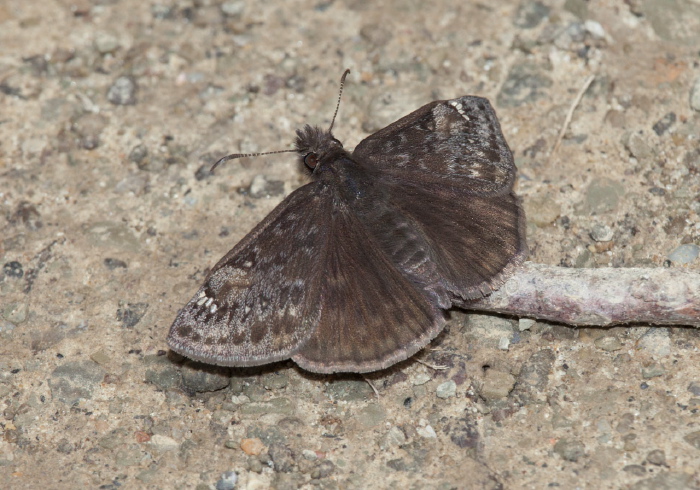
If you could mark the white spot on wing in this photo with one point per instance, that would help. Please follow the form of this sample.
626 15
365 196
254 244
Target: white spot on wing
459 108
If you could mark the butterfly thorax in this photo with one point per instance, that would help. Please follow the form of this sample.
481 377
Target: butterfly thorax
329 162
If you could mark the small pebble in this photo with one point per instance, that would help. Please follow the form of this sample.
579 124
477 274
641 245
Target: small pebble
424 429
113 264
635 469
656 341
447 389
695 95
309 454
693 439
525 324
420 379
234 8
349 390
694 388
653 371
601 233
106 43
13 269
395 437
256 466
142 436
275 381
203 379
164 443
101 357
665 123
252 446
122 91
16 312
684 254
608 343
227 481
657 457
569 449
282 458
497 385
594 29
638 146
323 469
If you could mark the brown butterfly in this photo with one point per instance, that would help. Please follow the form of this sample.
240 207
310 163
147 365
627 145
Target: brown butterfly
353 271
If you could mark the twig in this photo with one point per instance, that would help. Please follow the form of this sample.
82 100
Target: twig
436 367
602 297
376 392
570 114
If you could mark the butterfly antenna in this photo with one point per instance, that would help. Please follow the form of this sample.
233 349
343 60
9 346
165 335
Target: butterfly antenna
340 94
233 156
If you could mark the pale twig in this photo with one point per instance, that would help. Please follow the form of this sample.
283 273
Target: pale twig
376 392
570 114
436 367
602 297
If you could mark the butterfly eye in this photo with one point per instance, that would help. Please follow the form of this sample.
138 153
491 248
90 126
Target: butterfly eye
311 160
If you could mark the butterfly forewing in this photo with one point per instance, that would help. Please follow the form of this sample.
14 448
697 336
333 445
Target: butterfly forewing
262 300
453 144
372 315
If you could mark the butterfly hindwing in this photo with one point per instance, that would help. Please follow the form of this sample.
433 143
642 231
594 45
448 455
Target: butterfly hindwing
261 301
449 173
372 315
475 241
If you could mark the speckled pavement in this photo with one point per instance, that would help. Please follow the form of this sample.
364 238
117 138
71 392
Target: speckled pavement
111 113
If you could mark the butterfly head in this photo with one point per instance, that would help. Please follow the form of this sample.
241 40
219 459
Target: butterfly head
315 146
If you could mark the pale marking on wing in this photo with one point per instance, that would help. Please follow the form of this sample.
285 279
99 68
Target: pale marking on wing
459 107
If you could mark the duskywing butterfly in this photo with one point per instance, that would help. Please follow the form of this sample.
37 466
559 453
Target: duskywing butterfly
353 271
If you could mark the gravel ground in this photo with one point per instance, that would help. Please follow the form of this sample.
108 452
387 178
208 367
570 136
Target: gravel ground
112 111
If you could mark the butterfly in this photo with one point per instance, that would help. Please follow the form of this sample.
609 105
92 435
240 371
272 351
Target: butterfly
354 271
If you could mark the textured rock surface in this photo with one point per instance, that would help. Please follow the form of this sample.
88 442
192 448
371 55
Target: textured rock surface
113 111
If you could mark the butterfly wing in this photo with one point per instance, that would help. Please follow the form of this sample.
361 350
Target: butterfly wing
449 174
372 315
475 242
261 301
445 145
